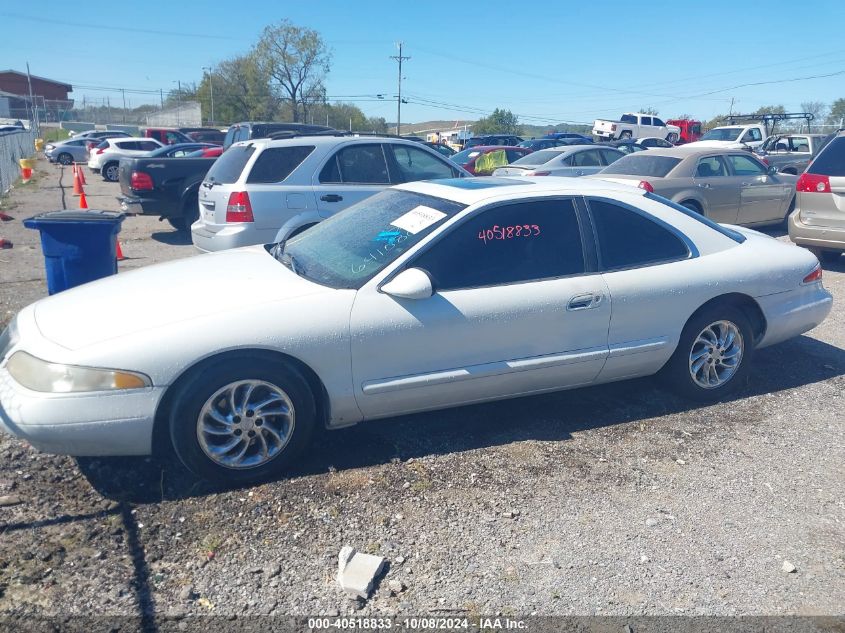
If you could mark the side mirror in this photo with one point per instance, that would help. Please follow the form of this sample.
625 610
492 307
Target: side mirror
412 283
773 169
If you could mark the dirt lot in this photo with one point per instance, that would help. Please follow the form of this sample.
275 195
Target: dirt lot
618 500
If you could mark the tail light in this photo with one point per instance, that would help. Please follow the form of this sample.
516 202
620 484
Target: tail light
813 183
100 151
239 209
538 173
645 184
814 276
140 181
612 128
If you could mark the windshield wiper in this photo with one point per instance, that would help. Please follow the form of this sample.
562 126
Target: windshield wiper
287 259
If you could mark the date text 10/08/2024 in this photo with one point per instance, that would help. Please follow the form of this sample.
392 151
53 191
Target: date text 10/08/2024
418 623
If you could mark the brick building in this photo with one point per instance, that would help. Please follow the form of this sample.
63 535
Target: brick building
50 97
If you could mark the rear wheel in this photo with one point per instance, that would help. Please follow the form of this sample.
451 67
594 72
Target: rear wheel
713 354
692 206
111 171
625 134
242 421
190 214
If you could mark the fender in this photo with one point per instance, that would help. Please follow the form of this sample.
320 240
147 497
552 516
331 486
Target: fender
308 216
692 194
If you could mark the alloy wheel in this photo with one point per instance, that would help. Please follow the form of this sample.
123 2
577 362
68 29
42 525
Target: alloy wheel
716 354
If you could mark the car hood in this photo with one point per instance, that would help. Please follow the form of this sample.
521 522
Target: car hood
155 296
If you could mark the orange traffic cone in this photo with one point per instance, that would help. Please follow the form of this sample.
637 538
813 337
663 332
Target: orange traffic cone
119 252
83 203
81 173
77 184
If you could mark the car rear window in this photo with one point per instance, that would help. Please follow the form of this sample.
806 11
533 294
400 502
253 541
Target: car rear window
642 164
831 161
227 169
537 158
275 164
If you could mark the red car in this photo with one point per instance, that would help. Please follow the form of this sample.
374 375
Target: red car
481 160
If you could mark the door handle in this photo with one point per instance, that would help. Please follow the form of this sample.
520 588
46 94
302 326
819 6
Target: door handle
704 185
585 301
331 197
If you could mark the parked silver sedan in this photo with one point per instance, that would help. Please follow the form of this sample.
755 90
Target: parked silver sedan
574 160
730 186
66 152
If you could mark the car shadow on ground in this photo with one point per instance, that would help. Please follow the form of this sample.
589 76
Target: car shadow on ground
549 417
173 238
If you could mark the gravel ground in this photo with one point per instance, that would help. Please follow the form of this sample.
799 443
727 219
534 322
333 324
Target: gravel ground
620 500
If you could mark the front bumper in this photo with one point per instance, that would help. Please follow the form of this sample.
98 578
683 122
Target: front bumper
83 425
823 237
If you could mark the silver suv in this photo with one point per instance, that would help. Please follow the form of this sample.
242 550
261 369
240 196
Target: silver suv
818 222
265 190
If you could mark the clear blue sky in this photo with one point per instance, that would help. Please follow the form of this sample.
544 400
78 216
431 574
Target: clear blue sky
546 61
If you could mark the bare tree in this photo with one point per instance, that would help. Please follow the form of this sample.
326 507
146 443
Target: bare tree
297 59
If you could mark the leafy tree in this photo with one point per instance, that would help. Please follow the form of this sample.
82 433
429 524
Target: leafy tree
837 113
297 60
241 92
771 109
500 122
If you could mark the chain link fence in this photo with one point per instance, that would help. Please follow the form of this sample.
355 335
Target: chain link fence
13 147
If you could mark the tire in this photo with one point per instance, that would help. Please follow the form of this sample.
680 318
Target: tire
64 159
692 206
672 138
190 214
625 134
111 172
178 223
203 404
688 376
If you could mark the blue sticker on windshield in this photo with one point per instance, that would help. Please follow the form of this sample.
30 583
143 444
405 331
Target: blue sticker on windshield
479 183
387 236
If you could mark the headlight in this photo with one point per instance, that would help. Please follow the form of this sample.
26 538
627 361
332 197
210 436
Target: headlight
39 375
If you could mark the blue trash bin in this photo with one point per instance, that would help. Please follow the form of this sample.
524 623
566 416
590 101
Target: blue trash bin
78 246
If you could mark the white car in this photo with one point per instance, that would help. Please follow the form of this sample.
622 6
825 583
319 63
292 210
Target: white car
570 160
266 190
106 156
424 296
732 137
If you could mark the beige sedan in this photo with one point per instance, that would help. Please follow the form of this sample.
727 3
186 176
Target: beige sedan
728 186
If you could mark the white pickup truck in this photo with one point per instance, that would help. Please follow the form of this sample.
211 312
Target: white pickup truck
733 137
635 125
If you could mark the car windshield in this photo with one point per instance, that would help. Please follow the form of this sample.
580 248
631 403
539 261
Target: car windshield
537 158
464 156
722 134
642 164
349 248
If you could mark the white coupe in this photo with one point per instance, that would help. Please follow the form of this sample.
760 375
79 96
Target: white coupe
427 295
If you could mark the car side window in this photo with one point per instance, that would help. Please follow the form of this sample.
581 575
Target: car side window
745 166
147 146
508 244
230 136
609 156
710 167
627 239
646 120
170 138
587 158
275 164
126 145
417 164
357 164
752 135
658 122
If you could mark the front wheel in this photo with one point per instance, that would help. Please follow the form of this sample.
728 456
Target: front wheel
713 354
672 138
111 172
242 421
65 159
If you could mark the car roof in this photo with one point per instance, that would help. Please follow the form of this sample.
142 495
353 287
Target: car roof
472 190
492 148
685 151
327 139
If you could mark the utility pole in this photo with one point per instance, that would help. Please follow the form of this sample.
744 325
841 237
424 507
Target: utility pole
211 87
123 90
161 96
732 107
33 122
399 58
178 82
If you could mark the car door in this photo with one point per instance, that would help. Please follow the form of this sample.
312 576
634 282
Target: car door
642 262
645 127
350 174
762 195
719 187
513 311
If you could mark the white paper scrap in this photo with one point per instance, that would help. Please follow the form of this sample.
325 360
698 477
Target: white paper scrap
417 219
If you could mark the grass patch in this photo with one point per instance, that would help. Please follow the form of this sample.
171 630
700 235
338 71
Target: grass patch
54 134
